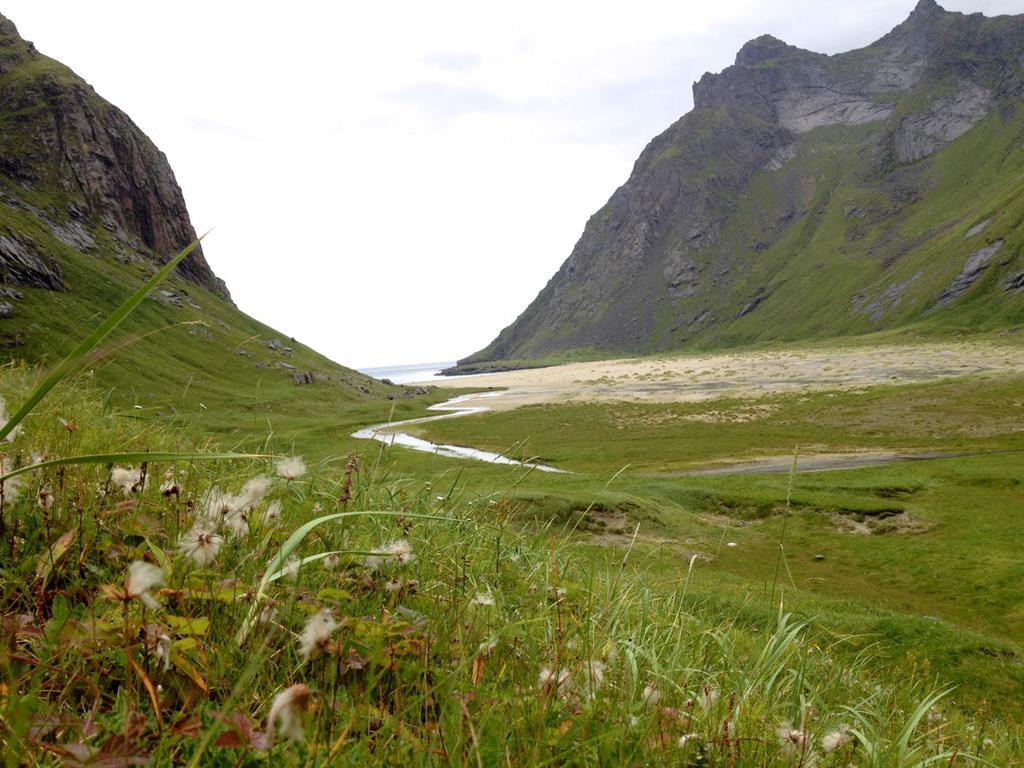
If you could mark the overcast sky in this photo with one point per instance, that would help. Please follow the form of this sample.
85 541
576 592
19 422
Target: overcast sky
394 182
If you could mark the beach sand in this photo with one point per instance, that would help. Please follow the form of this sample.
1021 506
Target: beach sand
694 378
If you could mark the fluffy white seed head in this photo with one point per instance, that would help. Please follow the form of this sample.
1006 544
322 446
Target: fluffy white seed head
651 695
285 717
316 633
201 546
551 680
485 599
143 577
792 739
291 468
272 514
833 740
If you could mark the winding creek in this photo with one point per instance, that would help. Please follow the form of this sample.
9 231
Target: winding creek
389 433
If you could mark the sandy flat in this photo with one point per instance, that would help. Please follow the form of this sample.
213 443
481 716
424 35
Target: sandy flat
693 378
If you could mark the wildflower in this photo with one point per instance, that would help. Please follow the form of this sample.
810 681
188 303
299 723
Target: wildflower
272 514
487 648
237 524
550 681
595 673
253 492
291 568
651 695
169 487
142 577
792 739
399 551
267 615
163 650
285 716
3 421
201 546
332 561
292 468
709 697
317 633
483 598
557 593
833 740
45 498
217 505
128 479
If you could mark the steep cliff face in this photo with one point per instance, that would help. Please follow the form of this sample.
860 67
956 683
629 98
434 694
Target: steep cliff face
82 168
799 176
89 208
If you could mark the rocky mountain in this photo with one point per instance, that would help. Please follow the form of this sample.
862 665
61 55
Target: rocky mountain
79 164
810 196
89 208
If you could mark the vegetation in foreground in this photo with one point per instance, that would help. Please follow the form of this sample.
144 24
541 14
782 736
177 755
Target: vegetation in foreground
393 620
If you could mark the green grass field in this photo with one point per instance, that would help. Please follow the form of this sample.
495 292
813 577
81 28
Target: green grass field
731 619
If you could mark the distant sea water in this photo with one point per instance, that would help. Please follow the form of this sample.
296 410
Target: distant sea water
405 374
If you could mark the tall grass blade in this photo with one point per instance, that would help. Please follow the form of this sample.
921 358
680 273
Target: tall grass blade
131 458
76 358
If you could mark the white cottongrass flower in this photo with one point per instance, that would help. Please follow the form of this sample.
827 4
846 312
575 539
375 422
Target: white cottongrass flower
709 697
201 546
550 680
217 505
686 739
332 561
272 514
833 740
45 498
317 633
127 478
12 487
792 739
3 422
651 695
291 468
237 524
291 568
394 585
163 650
142 577
285 717
253 492
170 487
485 599
594 671
399 551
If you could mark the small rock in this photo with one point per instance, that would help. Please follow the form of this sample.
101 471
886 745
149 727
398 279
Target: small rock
819 557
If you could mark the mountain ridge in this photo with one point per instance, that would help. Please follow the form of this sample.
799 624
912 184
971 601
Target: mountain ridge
718 208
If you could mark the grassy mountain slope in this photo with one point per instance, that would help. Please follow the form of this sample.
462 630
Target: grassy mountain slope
809 196
89 208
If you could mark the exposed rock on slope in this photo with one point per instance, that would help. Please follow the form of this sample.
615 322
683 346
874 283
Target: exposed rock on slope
83 169
800 190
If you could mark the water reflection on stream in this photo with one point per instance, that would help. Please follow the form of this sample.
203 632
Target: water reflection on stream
386 433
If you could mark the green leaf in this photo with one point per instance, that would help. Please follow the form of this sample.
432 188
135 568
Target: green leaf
183 625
